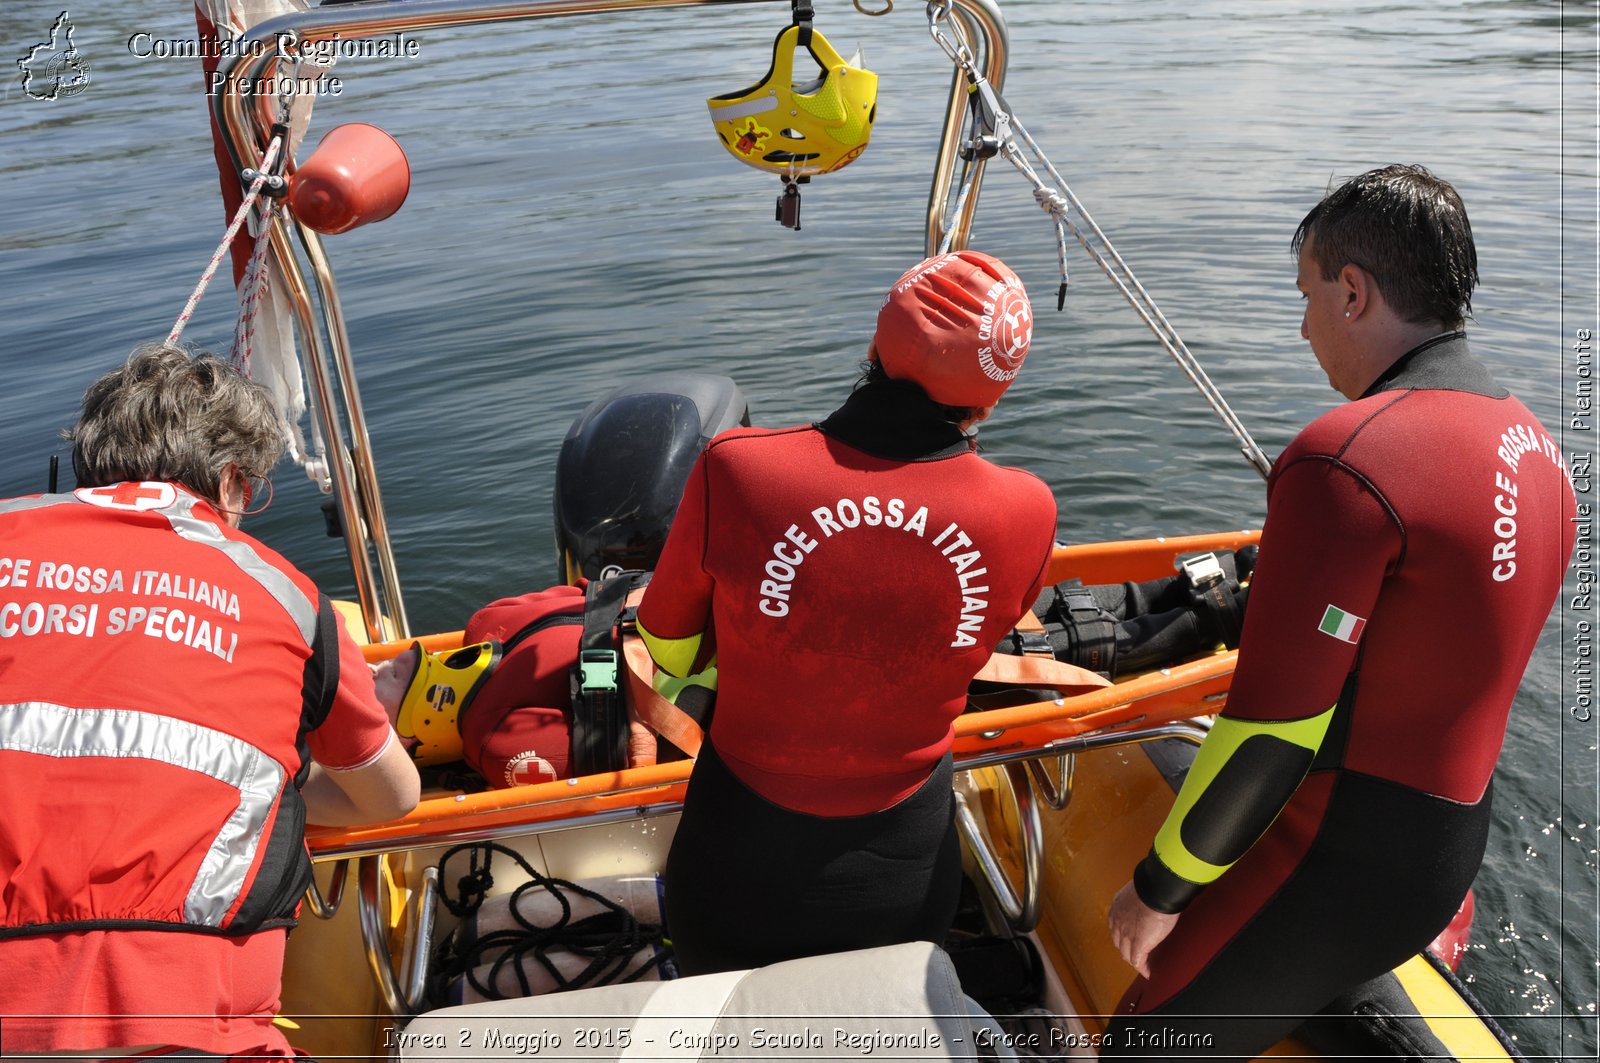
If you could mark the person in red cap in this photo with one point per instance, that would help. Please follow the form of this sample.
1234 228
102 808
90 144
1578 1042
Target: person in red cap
848 577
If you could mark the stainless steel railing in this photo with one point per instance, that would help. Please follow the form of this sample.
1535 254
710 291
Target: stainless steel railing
245 121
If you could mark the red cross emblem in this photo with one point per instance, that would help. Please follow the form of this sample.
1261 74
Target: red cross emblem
529 767
129 495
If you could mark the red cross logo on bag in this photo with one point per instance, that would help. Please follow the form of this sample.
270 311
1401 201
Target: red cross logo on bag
529 767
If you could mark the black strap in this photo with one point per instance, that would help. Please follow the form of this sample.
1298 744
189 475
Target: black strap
802 13
1214 596
552 620
1091 631
1220 604
319 680
599 714
1030 643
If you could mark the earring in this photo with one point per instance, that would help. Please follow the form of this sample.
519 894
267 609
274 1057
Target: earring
1347 313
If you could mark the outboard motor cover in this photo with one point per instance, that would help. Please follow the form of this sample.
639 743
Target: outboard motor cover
623 465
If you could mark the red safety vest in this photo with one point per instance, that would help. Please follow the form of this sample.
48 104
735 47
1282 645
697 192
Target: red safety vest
158 674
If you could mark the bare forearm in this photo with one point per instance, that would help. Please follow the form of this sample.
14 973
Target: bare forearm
384 790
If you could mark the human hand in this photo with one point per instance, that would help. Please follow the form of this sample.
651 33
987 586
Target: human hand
641 741
1136 928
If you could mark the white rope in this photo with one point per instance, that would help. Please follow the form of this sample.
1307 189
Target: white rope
254 290
239 216
961 204
1060 203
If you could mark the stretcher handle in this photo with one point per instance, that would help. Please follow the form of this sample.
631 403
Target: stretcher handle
328 907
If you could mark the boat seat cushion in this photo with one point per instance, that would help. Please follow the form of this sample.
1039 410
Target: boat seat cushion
903 1001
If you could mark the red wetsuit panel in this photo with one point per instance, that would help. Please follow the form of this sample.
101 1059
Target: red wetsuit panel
1394 510
128 635
853 597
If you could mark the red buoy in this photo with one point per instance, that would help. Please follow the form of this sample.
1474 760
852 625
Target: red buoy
358 174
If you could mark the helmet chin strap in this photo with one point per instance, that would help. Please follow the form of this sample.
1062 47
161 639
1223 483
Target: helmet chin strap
802 14
787 213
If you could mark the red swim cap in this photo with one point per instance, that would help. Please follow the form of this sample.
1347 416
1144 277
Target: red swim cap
959 325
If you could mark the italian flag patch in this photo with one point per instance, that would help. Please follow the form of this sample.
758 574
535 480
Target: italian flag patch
1346 627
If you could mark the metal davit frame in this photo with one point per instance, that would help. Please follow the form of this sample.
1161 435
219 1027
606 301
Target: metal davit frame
335 397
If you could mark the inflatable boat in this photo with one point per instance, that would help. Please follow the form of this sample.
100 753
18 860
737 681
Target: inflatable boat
1058 796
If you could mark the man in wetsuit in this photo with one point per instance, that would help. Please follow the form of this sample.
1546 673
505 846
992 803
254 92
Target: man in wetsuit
1415 540
853 574
176 700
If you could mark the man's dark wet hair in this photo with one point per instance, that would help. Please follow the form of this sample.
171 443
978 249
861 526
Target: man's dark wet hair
1409 230
873 372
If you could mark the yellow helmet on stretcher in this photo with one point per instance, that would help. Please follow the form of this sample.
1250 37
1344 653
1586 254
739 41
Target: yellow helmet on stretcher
800 130
439 690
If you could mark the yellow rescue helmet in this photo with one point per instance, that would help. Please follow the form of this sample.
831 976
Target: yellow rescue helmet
800 129
439 690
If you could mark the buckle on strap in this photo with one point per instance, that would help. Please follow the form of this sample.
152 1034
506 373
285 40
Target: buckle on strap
597 671
1079 605
1032 644
1203 570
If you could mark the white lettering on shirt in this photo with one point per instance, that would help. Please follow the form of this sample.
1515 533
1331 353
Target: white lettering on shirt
1515 442
82 619
788 554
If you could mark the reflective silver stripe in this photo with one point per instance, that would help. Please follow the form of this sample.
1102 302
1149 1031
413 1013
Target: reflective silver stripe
743 109
302 610
58 731
21 505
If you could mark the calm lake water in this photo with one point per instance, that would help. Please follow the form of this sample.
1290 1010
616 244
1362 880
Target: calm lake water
572 221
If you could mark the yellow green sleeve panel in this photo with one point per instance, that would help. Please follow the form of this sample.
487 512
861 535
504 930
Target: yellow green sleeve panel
674 656
1242 777
670 687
